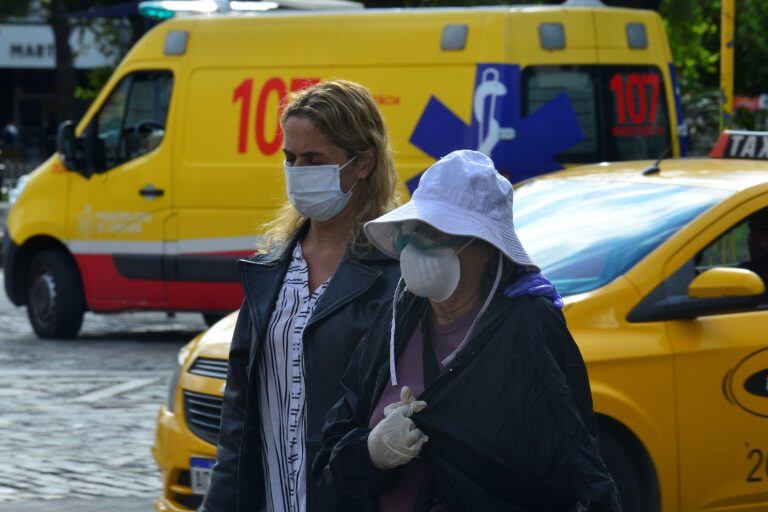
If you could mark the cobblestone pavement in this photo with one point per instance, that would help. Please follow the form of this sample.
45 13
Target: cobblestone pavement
77 417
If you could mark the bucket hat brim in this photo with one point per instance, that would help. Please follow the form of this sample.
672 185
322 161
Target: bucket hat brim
451 219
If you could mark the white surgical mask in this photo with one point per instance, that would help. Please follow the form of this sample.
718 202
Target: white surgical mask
433 274
315 190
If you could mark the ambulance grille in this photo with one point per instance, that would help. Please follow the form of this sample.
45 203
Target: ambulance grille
203 415
216 368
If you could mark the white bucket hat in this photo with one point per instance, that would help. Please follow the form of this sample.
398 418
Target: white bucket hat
461 194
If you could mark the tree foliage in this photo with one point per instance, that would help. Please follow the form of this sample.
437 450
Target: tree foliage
693 28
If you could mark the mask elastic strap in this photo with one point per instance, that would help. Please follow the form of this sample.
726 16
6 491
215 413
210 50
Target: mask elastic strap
348 192
349 161
392 366
499 269
465 245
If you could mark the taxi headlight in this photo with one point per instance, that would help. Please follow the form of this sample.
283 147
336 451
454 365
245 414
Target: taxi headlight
181 360
15 192
171 401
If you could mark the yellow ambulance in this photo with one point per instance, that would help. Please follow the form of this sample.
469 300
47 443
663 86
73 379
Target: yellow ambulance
663 269
176 164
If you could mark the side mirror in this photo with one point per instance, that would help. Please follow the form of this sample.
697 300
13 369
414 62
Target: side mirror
67 146
724 282
713 292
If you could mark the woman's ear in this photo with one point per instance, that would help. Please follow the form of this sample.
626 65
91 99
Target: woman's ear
365 163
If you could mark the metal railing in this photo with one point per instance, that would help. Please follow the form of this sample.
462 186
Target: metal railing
11 169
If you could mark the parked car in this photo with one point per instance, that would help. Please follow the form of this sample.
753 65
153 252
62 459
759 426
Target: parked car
663 271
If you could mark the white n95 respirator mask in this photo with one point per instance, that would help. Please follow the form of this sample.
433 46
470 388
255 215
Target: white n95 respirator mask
315 190
432 273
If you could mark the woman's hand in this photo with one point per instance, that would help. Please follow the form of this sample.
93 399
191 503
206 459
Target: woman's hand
406 398
395 440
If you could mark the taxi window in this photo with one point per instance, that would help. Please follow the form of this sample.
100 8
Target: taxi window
132 120
743 246
622 110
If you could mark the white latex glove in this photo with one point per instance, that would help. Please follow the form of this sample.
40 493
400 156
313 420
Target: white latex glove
395 440
406 398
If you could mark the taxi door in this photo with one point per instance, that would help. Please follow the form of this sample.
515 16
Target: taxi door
721 366
118 206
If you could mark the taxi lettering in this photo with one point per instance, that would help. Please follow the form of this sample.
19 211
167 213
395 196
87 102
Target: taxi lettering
749 148
758 465
741 144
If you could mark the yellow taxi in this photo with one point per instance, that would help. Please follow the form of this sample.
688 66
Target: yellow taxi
166 179
662 266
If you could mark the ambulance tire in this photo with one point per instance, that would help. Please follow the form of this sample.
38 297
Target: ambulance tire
55 298
624 474
212 318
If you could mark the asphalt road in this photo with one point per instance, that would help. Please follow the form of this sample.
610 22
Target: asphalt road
77 417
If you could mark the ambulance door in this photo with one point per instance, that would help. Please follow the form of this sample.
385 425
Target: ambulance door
229 179
721 369
118 207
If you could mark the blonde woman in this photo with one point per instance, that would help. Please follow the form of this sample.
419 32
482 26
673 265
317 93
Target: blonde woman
307 303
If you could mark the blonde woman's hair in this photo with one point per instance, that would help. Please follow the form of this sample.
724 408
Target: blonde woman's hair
347 114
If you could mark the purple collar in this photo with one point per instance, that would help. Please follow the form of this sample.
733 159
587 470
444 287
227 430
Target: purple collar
534 283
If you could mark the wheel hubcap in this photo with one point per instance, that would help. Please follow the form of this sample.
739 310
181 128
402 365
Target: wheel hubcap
42 297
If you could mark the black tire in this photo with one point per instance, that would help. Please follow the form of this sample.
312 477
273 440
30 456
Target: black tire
54 295
212 318
624 473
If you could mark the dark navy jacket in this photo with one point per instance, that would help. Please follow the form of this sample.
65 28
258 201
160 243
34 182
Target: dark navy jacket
509 419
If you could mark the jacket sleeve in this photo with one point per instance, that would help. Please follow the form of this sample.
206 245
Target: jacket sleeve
568 357
222 492
343 459
567 396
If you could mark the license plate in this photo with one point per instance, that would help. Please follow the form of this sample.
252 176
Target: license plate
200 473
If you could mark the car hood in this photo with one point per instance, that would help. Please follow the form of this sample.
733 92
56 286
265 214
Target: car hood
214 343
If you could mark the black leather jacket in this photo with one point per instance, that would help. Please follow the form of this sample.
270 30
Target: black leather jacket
344 312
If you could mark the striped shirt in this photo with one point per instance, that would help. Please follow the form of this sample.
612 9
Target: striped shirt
281 390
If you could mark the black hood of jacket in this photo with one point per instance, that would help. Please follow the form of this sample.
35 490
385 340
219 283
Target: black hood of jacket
509 419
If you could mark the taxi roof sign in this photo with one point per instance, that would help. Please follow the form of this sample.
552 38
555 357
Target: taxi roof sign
741 144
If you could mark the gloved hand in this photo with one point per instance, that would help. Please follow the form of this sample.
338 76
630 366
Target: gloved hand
406 398
395 440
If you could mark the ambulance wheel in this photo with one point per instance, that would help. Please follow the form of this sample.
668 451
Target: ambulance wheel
55 299
212 318
623 472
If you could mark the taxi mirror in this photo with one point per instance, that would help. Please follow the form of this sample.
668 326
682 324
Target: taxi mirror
715 291
724 282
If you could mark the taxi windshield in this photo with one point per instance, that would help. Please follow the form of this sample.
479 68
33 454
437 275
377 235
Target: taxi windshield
584 233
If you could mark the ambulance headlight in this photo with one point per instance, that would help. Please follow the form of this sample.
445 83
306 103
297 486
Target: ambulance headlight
16 191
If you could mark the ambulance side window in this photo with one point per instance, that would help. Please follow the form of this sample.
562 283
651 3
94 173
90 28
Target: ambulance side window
132 120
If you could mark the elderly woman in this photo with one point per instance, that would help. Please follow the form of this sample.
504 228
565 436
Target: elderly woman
468 392
308 302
